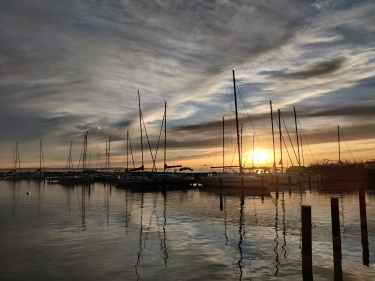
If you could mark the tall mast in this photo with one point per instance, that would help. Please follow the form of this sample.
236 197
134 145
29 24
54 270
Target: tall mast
84 151
253 149
70 156
18 157
238 133
303 158
127 150
338 139
15 157
223 145
281 144
109 152
273 141
295 121
40 160
140 123
165 134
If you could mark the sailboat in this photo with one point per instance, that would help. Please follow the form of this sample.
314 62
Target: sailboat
338 170
38 174
168 178
70 176
135 180
13 174
301 172
277 176
233 179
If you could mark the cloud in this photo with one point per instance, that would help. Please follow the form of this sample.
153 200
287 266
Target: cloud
316 70
70 67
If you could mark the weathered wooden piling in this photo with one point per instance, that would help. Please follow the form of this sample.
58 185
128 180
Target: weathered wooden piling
306 243
336 238
364 231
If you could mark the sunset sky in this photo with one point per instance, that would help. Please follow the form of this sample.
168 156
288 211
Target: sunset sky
68 67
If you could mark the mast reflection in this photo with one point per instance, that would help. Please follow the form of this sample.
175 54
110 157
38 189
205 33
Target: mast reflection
39 198
164 246
139 258
16 192
277 234
284 229
127 213
83 209
241 233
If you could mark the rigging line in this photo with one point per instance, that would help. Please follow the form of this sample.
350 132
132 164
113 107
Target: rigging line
304 135
342 134
283 140
157 147
251 123
148 141
131 152
291 143
80 157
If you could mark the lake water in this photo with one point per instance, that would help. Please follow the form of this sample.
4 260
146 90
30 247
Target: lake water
104 233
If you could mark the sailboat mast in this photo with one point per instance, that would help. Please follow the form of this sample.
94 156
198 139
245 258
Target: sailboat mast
281 144
338 141
295 121
223 145
18 157
253 149
15 158
273 140
40 155
238 133
127 150
165 134
303 158
140 124
109 152
70 156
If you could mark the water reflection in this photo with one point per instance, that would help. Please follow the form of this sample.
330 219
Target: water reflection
246 238
83 207
241 232
284 229
106 202
139 256
277 234
164 244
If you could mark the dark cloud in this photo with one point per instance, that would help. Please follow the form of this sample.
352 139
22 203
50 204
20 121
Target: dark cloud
316 70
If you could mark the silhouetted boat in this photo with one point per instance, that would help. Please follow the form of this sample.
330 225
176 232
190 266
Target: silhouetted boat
13 174
233 179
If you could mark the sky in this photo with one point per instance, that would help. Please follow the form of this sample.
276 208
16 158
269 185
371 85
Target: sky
71 67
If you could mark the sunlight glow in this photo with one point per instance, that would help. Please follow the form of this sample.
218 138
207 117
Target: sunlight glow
259 155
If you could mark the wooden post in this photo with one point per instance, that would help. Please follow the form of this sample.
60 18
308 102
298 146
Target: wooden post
336 239
364 232
306 243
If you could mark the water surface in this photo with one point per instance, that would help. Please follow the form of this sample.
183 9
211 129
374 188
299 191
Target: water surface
100 232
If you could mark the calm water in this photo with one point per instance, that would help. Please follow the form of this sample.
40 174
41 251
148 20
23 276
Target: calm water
104 233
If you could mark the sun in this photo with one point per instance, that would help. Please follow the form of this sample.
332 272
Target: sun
259 155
